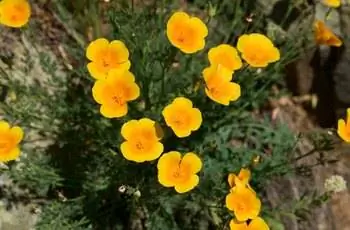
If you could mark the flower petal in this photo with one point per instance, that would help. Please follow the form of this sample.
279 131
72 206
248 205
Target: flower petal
11 155
4 126
130 153
128 129
154 152
168 160
199 26
96 48
100 91
236 225
196 119
97 71
192 162
258 224
114 111
118 51
187 185
17 134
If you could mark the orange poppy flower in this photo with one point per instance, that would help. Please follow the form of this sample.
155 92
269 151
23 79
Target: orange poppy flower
225 55
14 13
257 50
179 172
182 117
244 203
142 140
186 33
9 140
105 56
219 87
115 92
324 36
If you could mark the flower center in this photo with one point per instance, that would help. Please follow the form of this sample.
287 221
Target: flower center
140 146
105 63
118 99
241 207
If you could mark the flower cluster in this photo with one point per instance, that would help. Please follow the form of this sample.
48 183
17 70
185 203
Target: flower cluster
244 203
116 86
256 49
10 137
14 13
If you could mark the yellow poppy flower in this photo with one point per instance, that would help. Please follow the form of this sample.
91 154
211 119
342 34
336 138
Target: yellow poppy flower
257 50
186 33
344 127
225 55
174 171
9 140
105 56
324 36
255 224
14 13
242 179
114 93
181 117
244 203
332 3
142 140
219 87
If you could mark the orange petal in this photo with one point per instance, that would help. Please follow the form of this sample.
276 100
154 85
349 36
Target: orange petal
192 162
114 111
187 185
97 48
17 134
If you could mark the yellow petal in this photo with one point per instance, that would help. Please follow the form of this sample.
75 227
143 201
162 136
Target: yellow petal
226 56
4 126
97 71
196 119
187 185
200 28
128 129
182 101
96 48
99 91
244 175
332 3
231 179
114 111
119 51
242 42
165 179
192 162
11 155
193 47
168 160
236 225
182 132
115 75
128 151
258 224
154 152
17 134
